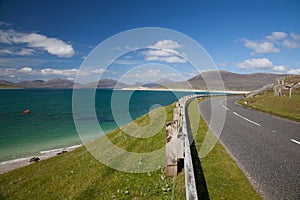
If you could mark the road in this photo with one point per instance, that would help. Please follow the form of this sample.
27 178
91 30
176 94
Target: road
266 148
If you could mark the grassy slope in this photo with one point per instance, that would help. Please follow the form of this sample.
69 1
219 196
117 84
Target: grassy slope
281 106
223 177
77 175
8 87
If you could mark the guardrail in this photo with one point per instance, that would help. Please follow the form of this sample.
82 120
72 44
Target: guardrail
190 181
178 144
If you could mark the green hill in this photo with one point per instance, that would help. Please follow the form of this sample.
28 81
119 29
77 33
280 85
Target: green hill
284 106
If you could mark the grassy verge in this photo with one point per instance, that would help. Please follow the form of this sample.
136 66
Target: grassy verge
224 179
280 106
77 175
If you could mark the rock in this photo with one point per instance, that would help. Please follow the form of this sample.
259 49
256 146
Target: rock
262 90
34 159
277 91
296 86
62 152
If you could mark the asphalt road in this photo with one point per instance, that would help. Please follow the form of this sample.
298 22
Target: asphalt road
265 147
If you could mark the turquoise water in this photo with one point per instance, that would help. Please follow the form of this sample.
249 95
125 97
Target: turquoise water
50 125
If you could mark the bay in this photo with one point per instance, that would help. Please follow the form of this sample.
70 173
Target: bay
50 125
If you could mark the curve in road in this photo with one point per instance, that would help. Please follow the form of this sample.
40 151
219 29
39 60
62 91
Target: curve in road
266 148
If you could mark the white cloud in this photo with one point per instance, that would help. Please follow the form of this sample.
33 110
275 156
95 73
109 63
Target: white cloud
30 73
7 71
99 71
22 52
63 72
294 71
166 51
145 74
170 59
280 68
261 63
12 72
26 70
261 47
6 36
277 36
53 46
70 78
290 44
165 44
271 43
161 52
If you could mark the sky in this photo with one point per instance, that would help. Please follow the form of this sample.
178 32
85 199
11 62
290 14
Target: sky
54 38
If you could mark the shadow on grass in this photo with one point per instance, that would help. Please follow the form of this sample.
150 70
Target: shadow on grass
199 175
1 196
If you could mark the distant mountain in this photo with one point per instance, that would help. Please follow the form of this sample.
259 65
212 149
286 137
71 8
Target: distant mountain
59 83
105 83
151 85
234 81
54 83
7 84
155 84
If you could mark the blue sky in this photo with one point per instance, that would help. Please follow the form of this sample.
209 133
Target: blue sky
49 39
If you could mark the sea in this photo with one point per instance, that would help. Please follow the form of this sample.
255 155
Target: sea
49 126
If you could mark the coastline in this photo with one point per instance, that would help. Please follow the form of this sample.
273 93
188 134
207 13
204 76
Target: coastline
10 165
186 90
152 89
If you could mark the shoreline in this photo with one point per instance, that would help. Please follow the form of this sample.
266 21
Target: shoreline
11 165
185 90
152 89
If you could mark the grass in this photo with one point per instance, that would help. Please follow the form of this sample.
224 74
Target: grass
78 175
223 178
9 87
280 106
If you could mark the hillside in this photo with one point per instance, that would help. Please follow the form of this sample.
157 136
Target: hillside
7 85
234 81
282 106
105 83
54 83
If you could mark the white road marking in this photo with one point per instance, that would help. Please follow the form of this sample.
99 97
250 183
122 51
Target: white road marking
295 141
257 124
223 105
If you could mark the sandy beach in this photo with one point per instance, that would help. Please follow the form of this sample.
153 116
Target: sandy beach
10 165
